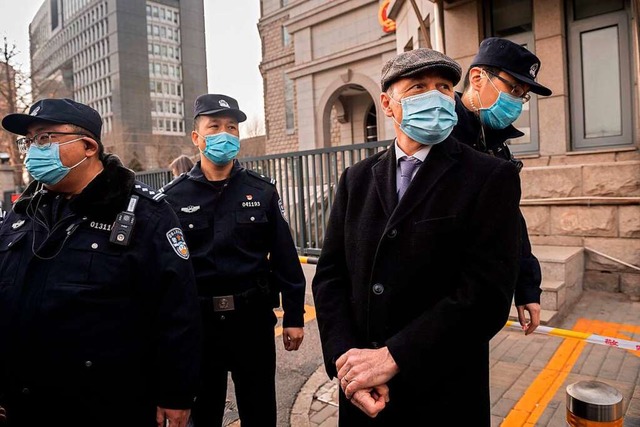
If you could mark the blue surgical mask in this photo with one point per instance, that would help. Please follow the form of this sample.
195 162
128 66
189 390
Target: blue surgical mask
428 118
221 147
503 112
44 163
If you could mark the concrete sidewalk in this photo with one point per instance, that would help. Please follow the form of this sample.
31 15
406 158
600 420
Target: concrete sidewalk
529 375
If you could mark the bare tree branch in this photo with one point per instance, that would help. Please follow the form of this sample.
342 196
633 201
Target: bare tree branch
254 126
14 97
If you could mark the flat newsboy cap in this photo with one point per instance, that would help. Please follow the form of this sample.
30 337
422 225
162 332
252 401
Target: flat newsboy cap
55 110
211 103
511 58
415 62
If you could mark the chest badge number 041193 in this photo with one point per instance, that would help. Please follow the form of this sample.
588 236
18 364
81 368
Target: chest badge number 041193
176 239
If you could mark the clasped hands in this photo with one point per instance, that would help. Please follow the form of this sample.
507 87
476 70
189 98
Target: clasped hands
363 375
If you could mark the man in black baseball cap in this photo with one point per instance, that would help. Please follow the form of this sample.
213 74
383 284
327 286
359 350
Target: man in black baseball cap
497 85
519 62
57 111
61 143
85 227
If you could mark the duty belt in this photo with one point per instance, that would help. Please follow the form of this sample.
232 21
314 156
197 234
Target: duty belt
259 292
224 303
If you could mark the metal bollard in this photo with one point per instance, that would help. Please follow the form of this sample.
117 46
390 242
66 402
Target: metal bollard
593 404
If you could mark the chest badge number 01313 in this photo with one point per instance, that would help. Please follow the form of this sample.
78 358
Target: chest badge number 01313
176 239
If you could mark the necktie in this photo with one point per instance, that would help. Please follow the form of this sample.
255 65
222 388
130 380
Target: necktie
407 166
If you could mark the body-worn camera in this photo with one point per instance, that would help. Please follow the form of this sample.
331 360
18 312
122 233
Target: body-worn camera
123 226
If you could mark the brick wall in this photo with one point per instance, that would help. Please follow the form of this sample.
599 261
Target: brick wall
252 147
275 60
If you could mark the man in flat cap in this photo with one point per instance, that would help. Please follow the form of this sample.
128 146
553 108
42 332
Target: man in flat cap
244 259
98 306
496 87
419 262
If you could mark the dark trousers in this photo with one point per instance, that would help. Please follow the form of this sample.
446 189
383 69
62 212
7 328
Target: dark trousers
243 343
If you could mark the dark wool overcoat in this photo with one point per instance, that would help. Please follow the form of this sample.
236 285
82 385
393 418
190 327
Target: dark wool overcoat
430 277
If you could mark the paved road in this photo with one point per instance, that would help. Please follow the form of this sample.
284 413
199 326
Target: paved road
293 368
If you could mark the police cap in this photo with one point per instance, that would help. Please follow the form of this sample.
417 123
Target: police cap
211 104
55 110
511 58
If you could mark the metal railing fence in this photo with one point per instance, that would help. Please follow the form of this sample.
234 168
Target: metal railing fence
155 178
306 182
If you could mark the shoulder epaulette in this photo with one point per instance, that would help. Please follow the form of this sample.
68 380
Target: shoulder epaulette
261 177
173 182
148 192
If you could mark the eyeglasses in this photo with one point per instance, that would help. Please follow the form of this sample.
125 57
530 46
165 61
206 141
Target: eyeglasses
42 140
516 90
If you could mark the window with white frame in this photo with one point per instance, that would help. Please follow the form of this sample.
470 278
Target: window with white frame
289 103
286 37
165 75
513 20
600 73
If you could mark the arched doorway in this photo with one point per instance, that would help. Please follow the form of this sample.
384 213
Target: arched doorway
352 118
371 124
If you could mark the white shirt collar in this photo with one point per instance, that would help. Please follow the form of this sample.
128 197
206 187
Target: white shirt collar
421 154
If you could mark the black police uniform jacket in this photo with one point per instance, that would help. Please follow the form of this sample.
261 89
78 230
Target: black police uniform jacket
430 277
468 130
93 333
239 238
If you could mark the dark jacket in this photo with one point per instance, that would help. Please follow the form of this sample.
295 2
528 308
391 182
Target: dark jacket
91 331
238 237
493 141
431 278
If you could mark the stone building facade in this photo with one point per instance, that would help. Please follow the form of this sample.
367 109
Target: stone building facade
321 68
581 180
140 63
277 57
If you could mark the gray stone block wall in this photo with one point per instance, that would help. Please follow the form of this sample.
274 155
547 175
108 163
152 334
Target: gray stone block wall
606 220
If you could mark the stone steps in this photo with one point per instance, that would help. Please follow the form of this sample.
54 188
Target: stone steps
562 277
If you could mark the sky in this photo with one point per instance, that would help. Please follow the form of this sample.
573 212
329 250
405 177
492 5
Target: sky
233 47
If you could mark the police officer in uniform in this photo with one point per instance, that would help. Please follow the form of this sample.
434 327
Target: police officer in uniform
244 257
496 87
99 315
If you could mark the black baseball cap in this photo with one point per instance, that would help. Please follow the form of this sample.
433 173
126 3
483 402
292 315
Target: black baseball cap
212 103
511 58
417 61
55 110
